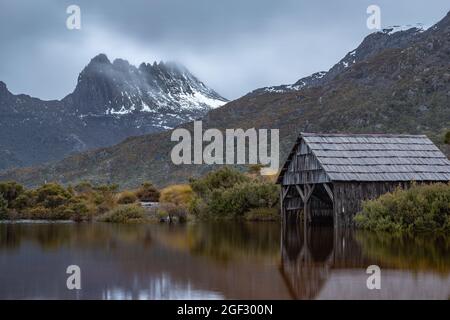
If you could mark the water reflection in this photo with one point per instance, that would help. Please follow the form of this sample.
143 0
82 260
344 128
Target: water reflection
327 263
215 261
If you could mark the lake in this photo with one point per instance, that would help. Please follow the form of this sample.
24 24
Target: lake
220 260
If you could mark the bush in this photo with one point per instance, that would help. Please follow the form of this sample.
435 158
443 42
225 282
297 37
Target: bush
3 208
262 214
180 195
222 178
148 193
10 191
124 214
230 194
52 195
422 208
127 197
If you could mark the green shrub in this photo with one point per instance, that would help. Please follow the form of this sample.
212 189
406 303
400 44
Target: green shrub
10 191
52 195
124 214
3 208
148 193
422 208
222 178
230 194
127 197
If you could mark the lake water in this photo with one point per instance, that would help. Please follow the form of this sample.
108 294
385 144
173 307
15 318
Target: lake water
216 261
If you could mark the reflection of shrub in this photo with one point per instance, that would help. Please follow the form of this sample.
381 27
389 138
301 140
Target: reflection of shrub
148 193
180 195
229 193
124 214
127 197
262 214
422 208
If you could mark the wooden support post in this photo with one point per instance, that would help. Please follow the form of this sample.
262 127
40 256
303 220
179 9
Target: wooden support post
300 192
281 204
308 192
328 190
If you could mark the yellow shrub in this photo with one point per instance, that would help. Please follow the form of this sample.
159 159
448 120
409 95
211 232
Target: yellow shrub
180 194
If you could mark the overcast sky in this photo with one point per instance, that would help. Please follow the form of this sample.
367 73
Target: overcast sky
234 46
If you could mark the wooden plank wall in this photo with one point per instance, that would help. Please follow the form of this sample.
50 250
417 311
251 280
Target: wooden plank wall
350 195
304 168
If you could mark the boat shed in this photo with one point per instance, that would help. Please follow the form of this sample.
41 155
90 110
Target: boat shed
328 176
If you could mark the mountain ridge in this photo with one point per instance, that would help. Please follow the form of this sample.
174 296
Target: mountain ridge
398 89
111 101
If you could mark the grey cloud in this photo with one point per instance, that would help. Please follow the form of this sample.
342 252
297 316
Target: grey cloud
234 46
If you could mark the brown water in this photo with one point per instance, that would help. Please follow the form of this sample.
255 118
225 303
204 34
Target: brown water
216 261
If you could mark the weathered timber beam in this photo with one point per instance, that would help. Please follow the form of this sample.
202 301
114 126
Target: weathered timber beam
285 192
300 192
309 192
330 193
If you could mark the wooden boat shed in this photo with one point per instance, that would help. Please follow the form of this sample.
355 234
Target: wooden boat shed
327 176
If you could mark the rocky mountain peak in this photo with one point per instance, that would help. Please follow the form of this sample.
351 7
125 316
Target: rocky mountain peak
119 88
100 58
3 88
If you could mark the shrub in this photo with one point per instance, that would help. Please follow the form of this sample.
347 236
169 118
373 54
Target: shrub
230 194
148 193
10 191
127 197
52 195
255 169
222 178
3 208
124 214
422 208
82 187
180 195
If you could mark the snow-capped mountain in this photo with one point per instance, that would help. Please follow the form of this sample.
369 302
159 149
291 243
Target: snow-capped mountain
119 89
111 101
393 37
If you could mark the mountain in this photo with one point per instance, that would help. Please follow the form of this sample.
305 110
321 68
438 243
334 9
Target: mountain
399 82
111 102
395 37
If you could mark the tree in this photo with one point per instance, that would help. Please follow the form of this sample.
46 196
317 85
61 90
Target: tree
3 208
10 191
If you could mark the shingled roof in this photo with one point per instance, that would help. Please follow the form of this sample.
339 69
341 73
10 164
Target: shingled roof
374 157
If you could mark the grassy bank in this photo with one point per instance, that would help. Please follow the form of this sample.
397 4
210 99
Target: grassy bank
422 208
222 194
82 202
